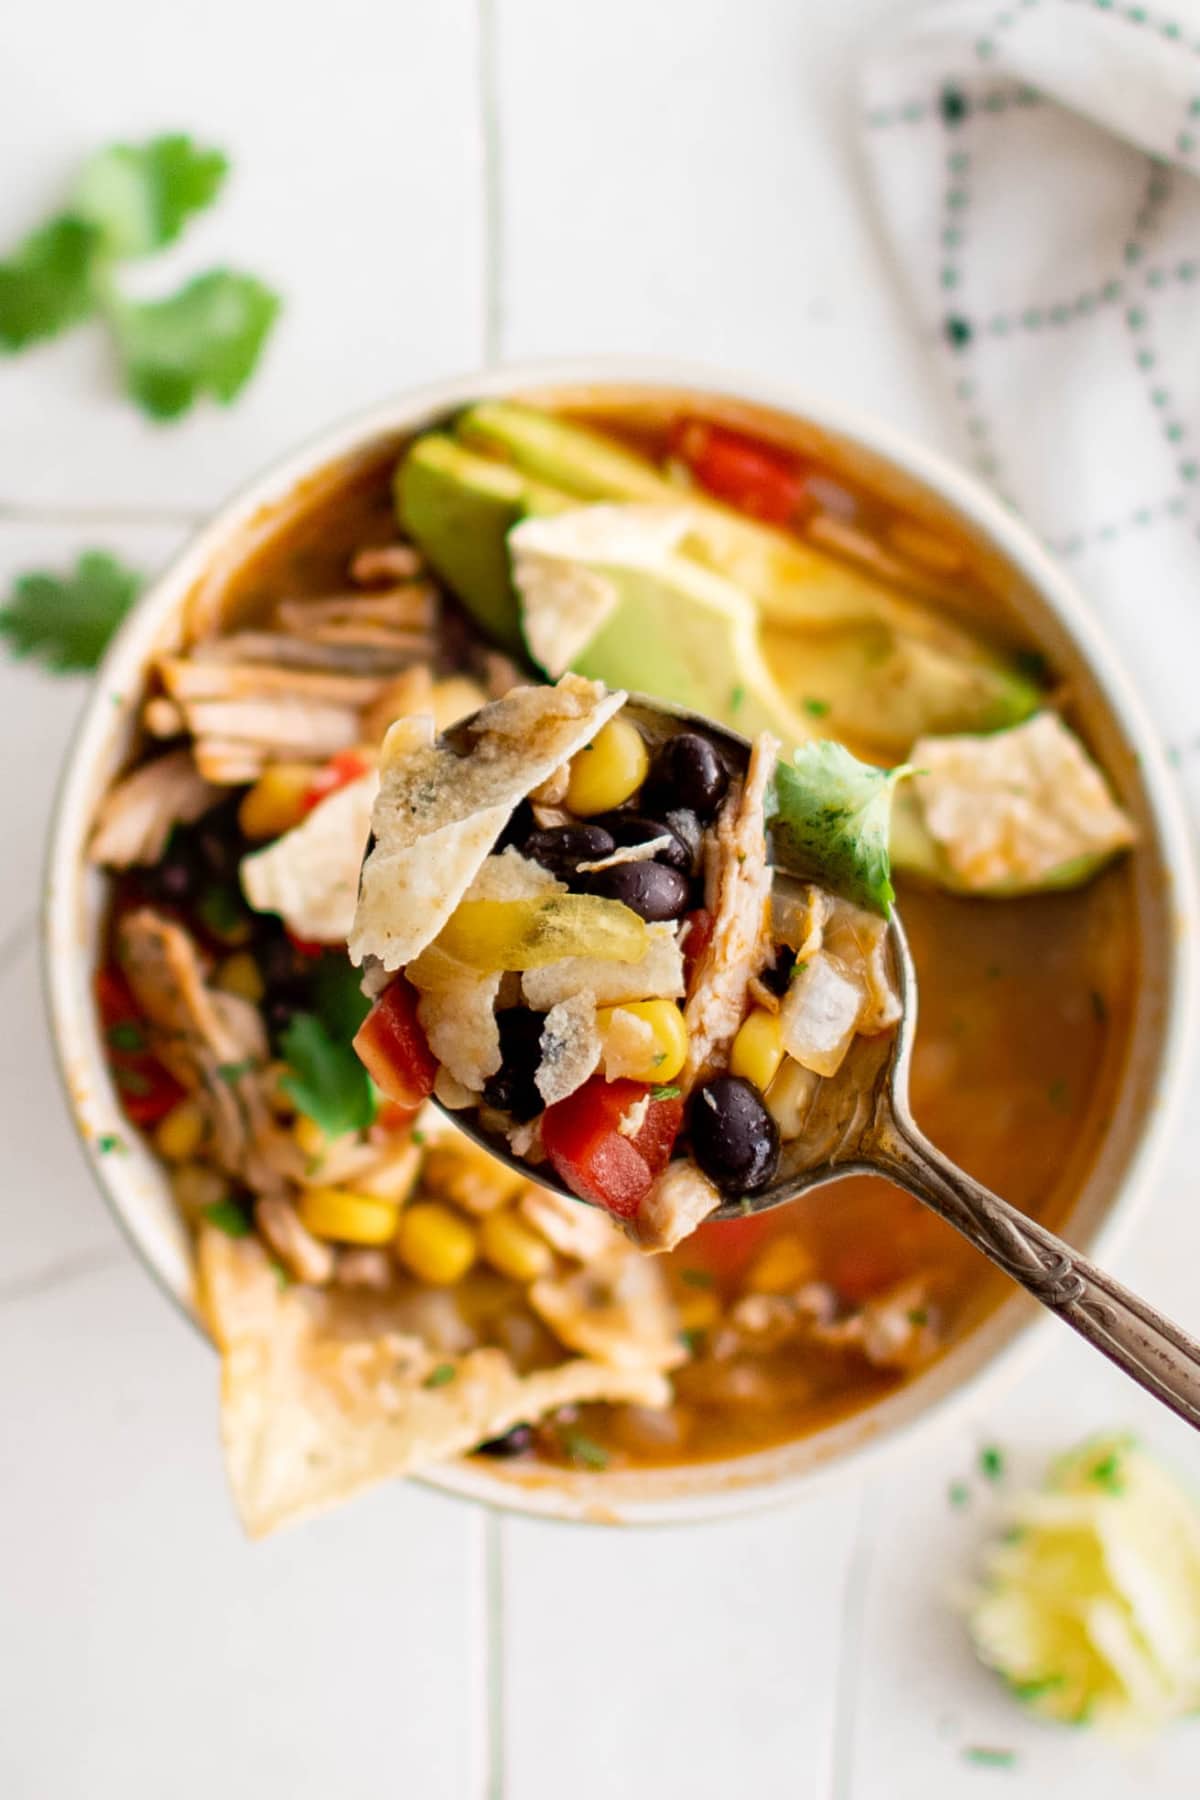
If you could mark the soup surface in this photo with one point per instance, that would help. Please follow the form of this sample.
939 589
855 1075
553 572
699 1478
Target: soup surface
1025 1001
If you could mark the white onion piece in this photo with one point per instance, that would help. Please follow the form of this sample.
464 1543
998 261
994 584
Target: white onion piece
790 1096
819 1015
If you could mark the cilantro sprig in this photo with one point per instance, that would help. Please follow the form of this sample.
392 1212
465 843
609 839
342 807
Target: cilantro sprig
129 201
66 621
325 1079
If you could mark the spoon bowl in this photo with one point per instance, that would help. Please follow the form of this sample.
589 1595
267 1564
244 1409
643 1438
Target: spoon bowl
862 1124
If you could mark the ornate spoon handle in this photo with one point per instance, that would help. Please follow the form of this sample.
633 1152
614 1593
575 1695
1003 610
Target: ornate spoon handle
1157 1354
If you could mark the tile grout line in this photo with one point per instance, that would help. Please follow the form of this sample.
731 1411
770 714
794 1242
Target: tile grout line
493 211
15 512
845 1692
493 1658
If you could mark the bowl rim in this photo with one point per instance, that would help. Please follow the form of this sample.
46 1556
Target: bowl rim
757 1481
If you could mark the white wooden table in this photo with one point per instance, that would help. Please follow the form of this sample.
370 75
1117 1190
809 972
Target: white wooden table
434 186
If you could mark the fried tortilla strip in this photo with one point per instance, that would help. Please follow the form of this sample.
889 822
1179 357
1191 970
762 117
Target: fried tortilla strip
319 1399
440 810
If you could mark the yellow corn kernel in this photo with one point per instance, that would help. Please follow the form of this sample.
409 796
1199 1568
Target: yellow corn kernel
239 974
608 770
757 1049
347 1218
434 1243
276 801
181 1132
782 1265
196 1185
698 1309
454 698
514 1248
667 1053
478 1183
308 1137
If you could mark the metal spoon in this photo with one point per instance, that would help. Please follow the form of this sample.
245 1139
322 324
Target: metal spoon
863 1125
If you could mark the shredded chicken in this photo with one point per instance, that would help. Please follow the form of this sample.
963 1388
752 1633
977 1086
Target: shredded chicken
386 562
304 1257
738 889
679 1200
211 1040
139 813
892 1330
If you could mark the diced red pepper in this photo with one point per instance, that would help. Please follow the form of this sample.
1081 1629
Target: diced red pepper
755 478
391 1118
147 1090
343 768
594 1158
305 946
393 1048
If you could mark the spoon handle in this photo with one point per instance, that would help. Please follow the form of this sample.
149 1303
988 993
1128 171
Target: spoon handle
1157 1354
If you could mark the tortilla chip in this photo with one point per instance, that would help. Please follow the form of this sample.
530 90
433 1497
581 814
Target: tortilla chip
457 1012
439 811
320 1400
309 876
657 976
511 876
617 1310
570 1046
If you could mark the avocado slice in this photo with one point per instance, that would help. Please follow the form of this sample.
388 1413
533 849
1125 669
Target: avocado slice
604 592
458 508
914 852
883 689
793 583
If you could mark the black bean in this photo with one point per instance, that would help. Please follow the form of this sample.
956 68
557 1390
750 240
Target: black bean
279 962
651 889
733 1136
514 1443
687 771
778 977
518 828
512 1088
690 832
627 829
561 848
219 840
177 877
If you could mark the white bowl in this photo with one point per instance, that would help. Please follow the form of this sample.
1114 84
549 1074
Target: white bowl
1054 615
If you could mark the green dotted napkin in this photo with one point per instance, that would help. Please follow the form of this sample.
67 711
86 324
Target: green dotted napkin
1037 167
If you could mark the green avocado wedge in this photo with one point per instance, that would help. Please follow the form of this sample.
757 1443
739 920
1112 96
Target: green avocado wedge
881 689
917 854
458 509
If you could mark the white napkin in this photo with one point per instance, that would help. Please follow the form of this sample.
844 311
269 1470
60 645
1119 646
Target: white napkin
1036 166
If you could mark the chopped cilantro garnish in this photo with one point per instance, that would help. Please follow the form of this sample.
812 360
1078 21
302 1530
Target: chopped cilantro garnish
438 1377
692 1337
417 1137
1107 1473
697 1278
798 968
991 1462
1099 1006
1034 1689
830 822
219 909
917 1315
337 996
1058 1095
665 1093
130 200
66 621
737 698
228 1217
987 1757
582 1449
108 1142
745 1206
282 1278
325 1079
132 1082
816 709
958 1493
125 1035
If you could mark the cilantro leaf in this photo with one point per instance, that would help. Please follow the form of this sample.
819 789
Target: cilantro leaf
325 1079
48 282
228 1217
830 821
205 339
138 197
337 996
67 620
